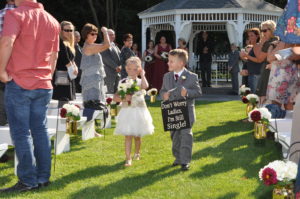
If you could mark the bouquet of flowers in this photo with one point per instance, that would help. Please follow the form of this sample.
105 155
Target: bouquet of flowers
152 93
127 87
149 58
278 172
113 106
244 91
252 99
262 115
70 111
164 56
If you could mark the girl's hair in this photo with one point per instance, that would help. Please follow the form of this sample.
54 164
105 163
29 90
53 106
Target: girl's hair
134 60
127 36
68 41
87 29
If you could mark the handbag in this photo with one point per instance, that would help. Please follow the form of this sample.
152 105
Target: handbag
61 78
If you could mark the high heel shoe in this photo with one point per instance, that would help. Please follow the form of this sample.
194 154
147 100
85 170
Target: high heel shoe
128 163
137 156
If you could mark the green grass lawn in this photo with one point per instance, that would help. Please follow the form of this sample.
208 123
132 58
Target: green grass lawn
225 163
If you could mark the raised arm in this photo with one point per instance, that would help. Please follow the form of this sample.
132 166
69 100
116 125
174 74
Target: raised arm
98 48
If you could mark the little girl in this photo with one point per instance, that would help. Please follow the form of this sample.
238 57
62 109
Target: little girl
134 119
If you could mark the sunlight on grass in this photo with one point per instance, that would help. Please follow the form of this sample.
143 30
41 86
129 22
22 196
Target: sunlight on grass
225 163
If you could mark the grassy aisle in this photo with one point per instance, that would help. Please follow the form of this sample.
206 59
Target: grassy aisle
225 163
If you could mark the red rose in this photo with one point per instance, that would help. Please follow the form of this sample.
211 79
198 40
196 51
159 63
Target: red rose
245 100
63 112
269 176
108 100
255 116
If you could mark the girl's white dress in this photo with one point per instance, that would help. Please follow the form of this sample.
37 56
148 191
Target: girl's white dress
135 119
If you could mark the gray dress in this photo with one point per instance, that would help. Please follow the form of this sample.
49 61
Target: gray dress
92 77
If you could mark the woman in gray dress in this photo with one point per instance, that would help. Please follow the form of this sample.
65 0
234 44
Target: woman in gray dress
92 77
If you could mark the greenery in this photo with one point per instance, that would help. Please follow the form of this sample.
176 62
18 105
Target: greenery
225 163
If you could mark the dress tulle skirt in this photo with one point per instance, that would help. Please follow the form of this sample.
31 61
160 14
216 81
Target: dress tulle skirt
134 121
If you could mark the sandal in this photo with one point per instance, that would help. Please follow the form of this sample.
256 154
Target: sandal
128 163
137 156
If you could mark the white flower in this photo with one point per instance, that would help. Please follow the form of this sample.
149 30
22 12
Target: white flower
165 55
252 97
291 169
148 58
265 113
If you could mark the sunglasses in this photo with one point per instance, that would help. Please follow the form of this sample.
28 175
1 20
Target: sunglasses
68 30
93 34
264 30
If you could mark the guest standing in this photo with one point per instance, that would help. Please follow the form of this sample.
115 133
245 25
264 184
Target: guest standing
149 64
66 59
182 44
93 74
161 64
78 55
135 49
112 64
126 53
234 68
205 51
252 67
10 4
26 66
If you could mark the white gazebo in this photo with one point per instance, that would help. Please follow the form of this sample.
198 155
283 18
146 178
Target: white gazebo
189 17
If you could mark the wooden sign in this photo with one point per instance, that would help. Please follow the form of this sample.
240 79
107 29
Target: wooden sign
175 115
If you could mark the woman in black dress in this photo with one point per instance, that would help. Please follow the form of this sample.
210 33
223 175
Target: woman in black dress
66 58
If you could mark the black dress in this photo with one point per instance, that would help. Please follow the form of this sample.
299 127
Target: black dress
65 55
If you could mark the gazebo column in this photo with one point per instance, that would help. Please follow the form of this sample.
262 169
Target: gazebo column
144 35
177 27
153 33
240 27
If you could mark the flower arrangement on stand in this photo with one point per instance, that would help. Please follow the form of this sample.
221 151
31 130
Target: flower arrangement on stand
152 93
113 107
72 113
251 100
127 87
281 174
261 118
165 56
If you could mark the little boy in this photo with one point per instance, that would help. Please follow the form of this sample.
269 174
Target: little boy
187 87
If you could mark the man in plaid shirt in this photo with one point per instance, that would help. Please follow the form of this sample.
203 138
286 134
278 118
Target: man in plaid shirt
3 119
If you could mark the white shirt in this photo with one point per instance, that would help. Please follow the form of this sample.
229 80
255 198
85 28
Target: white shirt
179 73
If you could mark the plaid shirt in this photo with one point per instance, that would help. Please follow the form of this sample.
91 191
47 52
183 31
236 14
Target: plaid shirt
2 14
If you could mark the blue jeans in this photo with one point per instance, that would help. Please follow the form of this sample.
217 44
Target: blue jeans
252 81
26 112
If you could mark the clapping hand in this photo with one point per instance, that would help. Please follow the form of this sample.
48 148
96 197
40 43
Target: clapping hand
142 72
103 29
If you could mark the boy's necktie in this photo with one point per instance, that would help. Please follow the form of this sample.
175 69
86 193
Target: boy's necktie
176 77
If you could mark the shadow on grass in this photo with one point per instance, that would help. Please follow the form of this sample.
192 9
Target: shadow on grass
85 174
228 196
238 152
127 185
216 131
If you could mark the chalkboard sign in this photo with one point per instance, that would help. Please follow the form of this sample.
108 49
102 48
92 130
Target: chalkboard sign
175 115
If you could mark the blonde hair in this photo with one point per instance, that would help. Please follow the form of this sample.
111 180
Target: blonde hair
134 60
270 24
181 54
68 41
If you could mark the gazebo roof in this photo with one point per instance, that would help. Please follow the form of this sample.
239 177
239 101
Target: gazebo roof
212 4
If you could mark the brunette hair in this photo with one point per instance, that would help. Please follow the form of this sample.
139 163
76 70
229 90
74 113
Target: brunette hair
87 29
256 31
127 36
